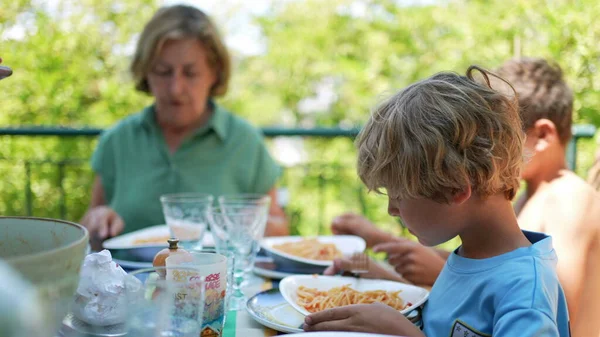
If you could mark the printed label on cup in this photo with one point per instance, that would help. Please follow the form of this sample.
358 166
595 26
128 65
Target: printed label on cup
213 267
187 291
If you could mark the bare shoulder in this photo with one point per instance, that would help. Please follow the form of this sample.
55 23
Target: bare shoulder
573 200
569 185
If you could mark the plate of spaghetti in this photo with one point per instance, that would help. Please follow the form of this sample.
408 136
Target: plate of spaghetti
310 293
316 251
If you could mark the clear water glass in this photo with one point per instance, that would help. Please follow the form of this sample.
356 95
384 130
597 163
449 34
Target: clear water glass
260 202
233 231
165 301
186 216
230 280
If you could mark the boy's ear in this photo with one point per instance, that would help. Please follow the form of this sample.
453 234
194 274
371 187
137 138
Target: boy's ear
546 134
462 196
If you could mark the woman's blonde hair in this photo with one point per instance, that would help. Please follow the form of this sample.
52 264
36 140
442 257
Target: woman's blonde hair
179 22
436 136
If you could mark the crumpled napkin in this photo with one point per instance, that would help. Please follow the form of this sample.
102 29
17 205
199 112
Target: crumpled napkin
100 298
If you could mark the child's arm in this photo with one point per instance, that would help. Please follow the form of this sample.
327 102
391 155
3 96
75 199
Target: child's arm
576 206
585 322
371 318
354 224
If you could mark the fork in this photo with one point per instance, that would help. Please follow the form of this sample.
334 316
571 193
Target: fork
359 264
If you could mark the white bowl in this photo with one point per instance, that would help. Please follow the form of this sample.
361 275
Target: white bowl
347 244
410 294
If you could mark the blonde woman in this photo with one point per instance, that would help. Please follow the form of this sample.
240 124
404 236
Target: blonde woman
184 142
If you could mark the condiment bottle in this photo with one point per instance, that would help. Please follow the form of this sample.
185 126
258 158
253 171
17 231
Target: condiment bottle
161 257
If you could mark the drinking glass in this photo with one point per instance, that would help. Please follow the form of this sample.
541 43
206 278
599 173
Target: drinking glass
223 246
260 202
234 231
165 306
185 214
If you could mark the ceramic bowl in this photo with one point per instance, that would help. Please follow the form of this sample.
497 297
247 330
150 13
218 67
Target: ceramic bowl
48 253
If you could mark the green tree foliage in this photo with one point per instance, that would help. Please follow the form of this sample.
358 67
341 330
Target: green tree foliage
326 63
369 54
70 69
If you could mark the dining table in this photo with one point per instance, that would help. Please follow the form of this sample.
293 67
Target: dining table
237 323
240 323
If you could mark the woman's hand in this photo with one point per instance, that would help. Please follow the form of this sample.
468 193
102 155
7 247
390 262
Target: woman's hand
376 271
418 264
277 222
371 318
4 71
102 222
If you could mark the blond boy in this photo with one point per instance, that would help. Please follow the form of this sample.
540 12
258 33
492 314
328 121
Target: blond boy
556 201
448 152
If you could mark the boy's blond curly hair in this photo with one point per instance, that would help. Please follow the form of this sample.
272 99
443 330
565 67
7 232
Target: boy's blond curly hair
438 135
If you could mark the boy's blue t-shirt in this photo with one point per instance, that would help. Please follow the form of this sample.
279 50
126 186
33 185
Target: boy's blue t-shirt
513 294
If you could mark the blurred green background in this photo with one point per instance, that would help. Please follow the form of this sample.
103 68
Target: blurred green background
321 64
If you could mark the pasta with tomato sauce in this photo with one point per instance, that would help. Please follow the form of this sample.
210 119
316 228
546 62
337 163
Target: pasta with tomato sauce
314 300
311 249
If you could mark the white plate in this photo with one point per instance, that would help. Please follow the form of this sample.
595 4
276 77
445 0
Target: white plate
288 286
270 309
264 266
72 326
133 255
271 274
132 265
127 241
336 334
347 244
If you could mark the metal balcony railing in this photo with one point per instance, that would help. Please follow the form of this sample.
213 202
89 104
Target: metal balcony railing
46 172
